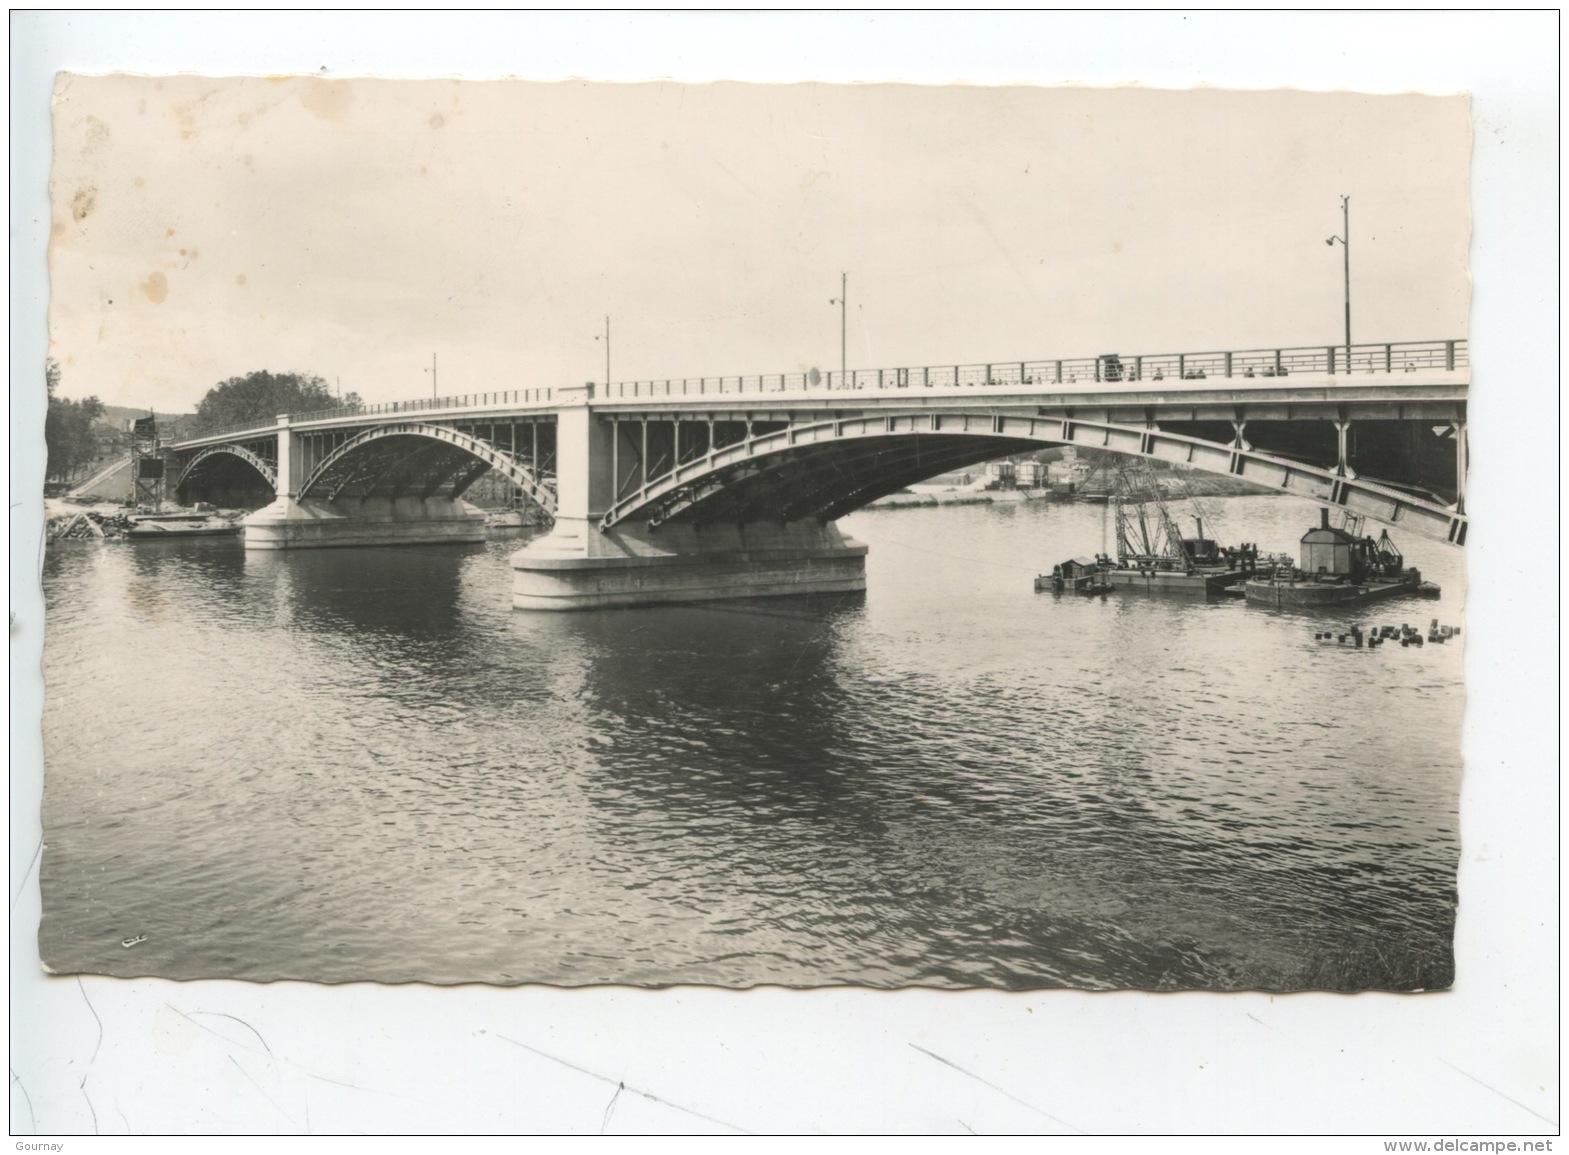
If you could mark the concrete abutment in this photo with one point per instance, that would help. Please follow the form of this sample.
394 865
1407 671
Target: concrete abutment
576 567
312 523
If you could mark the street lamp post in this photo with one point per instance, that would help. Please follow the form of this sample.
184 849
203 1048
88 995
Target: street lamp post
844 281
607 350
1345 247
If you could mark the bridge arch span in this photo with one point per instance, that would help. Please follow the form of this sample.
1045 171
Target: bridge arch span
417 459
208 467
826 469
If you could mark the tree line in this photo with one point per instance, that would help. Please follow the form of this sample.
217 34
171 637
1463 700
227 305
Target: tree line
68 429
252 399
257 398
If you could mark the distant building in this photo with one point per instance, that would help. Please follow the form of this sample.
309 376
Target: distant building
1030 474
1069 472
999 475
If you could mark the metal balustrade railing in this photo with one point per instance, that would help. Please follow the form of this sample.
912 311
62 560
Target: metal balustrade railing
1390 357
423 405
1332 360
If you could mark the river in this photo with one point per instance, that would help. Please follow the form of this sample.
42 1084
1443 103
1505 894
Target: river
362 764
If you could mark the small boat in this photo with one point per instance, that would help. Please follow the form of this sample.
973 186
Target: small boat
1338 568
159 525
1080 575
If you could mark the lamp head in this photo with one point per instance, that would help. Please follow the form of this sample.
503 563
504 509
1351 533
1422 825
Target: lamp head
1330 242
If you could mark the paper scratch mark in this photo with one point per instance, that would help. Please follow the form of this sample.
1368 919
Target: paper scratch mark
90 1106
351 1086
262 1092
999 1090
37 850
1497 1092
16 1081
242 1022
610 1107
289 1062
620 1086
96 1019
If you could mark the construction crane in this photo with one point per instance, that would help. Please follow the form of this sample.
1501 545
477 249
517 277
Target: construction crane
1137 494
1141 533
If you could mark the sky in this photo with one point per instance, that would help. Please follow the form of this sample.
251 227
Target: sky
204 228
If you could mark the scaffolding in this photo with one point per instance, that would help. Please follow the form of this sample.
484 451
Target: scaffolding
1147 534
147 470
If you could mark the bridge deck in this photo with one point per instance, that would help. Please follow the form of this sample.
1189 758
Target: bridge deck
1429 371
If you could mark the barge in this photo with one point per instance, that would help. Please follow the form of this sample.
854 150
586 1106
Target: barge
1153 556
160 525
1195 567
1080 575
1340 567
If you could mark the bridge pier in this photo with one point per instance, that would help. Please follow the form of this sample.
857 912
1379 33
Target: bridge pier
294 522
577 566
310 523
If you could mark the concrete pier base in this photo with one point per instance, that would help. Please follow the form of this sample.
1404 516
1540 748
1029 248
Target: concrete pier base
576 567
310 523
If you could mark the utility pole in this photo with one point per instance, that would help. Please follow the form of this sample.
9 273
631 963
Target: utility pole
607 352
844 281
434 393
1345 247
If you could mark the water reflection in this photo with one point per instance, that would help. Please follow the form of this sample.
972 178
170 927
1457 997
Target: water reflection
374 768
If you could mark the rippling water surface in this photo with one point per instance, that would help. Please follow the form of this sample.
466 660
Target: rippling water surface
361 764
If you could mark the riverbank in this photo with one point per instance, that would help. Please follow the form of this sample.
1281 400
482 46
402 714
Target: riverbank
960 497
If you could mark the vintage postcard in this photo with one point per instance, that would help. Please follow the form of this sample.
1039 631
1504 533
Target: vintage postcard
890 536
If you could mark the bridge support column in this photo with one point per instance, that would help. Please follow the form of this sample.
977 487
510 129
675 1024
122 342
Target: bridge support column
1461 462
294 522
1342 441
578 567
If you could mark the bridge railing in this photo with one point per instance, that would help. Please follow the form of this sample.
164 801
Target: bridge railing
499 399
1390 357
1387 358
426 404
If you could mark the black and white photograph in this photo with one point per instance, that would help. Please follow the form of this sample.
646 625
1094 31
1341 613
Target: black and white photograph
502 631
567 533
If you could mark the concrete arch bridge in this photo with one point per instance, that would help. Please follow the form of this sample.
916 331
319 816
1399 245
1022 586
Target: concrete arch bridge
670 490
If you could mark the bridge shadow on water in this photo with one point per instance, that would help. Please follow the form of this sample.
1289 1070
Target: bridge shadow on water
717 706
952 782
